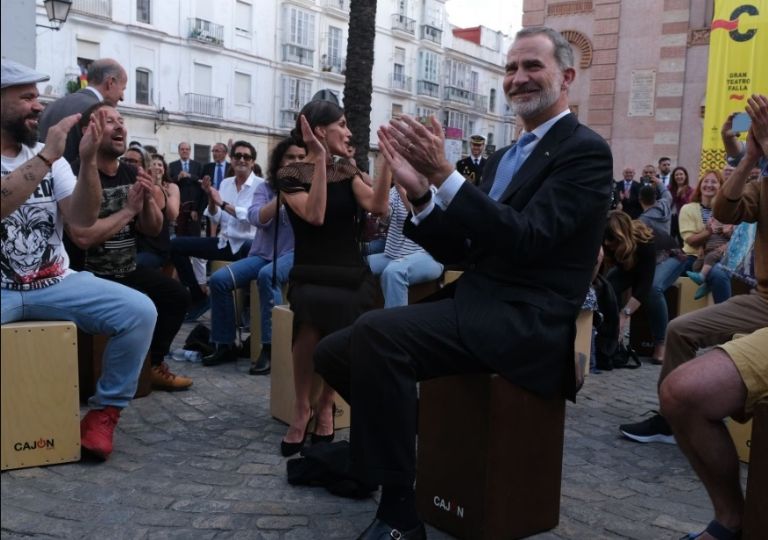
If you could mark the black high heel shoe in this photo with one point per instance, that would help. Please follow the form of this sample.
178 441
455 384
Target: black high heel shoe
315 438
291 448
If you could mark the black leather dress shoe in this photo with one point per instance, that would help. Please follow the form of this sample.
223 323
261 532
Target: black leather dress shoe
262 365
220 356
378 530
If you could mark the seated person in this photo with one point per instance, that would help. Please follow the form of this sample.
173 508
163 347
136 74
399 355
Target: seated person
403 261
40 194
698 396
155 251
235 231
657 213
714 249
108 247
274 239
695 397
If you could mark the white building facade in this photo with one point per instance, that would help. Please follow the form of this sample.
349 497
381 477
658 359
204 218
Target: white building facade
242 69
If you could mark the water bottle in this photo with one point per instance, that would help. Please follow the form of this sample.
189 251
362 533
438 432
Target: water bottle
183 355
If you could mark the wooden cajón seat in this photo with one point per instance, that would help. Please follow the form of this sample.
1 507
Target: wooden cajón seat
489 459
756 502
40 409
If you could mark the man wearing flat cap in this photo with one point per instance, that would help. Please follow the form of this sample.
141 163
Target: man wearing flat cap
471 167
39 194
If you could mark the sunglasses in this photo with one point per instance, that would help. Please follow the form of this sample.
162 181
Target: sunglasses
129 161
244 157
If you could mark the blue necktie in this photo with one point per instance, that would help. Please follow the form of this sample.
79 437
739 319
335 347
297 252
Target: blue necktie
185 166
508 166
219 176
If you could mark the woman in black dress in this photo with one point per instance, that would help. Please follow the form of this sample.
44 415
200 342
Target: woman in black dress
330 283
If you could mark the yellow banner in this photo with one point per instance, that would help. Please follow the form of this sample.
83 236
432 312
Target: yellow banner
738 68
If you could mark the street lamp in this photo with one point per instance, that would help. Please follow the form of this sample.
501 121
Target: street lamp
57 11
162 118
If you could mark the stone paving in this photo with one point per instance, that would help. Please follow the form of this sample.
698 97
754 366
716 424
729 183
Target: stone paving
205 464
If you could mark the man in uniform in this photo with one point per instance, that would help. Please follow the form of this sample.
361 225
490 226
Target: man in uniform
471 167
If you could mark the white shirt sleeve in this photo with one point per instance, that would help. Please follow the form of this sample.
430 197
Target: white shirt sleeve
442 197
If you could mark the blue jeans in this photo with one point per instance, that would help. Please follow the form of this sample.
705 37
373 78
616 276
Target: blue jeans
664 277
398 274
184 247
96 306
239 274
718 281
147 259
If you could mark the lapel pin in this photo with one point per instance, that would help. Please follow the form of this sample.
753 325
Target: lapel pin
546 154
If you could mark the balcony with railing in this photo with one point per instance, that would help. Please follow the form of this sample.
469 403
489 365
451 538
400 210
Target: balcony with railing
338 7
206 31
455 94
298 54
431 33
97 8
204 105
404 24
428 88
400 83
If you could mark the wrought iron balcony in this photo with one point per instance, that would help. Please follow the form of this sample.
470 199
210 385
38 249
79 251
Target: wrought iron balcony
431 33
404 24
204 105
97 8
298 54
481 103
428 88
206 31
400 82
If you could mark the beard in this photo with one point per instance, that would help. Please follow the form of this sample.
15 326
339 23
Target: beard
17 128
533 106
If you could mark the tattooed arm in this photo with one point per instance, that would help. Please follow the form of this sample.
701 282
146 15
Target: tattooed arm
19 185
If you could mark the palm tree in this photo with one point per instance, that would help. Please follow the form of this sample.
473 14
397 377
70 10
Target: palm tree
358 86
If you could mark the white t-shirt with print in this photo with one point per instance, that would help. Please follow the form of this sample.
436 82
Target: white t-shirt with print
33 254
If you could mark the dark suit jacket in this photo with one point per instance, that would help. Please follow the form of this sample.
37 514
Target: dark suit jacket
631 205
528 258
74 103
469 170
191 195
209 169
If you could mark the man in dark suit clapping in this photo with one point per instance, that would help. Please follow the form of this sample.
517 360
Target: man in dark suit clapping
528 237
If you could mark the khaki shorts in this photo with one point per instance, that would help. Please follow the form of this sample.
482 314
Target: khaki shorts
750 355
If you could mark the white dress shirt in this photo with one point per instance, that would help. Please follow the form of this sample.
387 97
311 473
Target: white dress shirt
235 230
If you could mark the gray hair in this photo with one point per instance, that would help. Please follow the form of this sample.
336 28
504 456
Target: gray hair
104 68
563 51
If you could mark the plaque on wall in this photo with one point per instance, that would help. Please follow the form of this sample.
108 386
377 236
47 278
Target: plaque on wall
642 92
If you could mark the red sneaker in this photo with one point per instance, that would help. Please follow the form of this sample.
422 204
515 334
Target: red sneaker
97 429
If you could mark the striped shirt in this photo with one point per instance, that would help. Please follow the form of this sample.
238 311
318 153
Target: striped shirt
397 244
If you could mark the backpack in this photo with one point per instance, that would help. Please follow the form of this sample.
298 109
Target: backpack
199 340
327 465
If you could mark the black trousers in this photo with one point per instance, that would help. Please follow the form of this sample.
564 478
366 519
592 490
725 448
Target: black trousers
171 300
182 248
375 365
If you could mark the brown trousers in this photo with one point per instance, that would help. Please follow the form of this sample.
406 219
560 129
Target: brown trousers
713 325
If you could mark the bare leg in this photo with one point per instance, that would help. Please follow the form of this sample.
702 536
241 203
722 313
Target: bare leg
303 370
325 411
705 270
695 398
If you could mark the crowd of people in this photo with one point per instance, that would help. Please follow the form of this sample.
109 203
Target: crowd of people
95 230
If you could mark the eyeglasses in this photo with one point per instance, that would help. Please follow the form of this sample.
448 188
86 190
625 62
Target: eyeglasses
244 157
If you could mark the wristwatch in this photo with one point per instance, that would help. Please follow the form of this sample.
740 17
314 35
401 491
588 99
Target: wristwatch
223 205
627 312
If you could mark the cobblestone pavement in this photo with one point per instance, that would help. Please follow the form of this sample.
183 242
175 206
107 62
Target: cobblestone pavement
205 464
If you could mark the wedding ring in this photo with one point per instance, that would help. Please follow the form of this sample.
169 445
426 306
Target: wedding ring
411 147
